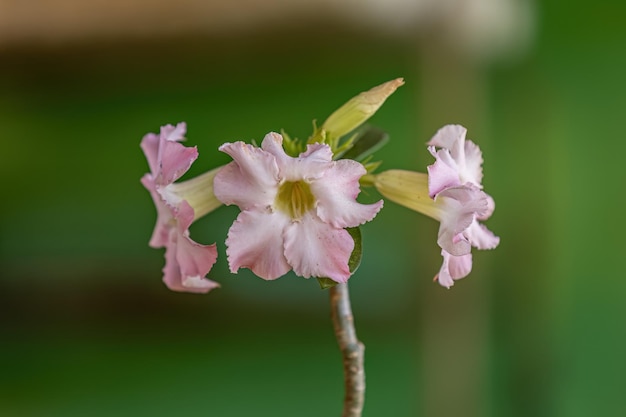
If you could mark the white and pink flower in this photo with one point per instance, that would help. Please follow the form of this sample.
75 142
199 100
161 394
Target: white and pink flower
178 204
294 210
451 193
456 176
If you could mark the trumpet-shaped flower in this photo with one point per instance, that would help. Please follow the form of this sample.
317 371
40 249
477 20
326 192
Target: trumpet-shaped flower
452 194
458 162
187 262
293 210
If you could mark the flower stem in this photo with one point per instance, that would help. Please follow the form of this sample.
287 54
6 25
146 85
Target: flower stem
352 350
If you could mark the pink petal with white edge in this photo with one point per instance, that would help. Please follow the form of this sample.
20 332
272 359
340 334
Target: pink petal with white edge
481 237
459 207
316 249
336 194
318 152
176 159
273 144
168 159
310 165
447 136
187 262
174 133
491 206
251 180
464 157
459 266
161 233
443 173
471 169
150 147
184 215
453 268
255 241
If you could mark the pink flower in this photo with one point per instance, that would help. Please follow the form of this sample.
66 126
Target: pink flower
454 182
187 262
294 210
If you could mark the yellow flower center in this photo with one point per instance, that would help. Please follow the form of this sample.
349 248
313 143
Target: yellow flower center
295 199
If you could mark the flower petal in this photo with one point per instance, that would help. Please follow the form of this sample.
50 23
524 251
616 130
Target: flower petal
310 165
273 144
251 180
459 207
447 136
466 155
318 152
491 206
472 170
336 194
460 266
443 173
453 268
150 147
481 237
174 133
314 248
255 241
161 233
175 160
187 262
168 159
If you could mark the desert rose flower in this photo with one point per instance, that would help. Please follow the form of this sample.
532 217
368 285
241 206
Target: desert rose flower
451 193
293 209
459 162
178 204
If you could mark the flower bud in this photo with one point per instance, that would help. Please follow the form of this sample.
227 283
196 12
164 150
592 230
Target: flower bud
358 109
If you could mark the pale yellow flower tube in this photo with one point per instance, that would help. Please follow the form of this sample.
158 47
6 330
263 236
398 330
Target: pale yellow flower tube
409 189
198 192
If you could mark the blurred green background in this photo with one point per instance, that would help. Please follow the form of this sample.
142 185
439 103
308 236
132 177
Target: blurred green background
538 328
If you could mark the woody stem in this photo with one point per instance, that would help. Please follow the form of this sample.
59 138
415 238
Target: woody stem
352 350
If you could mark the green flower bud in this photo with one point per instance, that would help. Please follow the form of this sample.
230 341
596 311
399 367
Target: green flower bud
358 109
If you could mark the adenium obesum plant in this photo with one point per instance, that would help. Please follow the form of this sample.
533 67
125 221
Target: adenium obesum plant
299 208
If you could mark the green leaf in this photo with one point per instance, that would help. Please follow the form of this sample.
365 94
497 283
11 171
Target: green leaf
357 253
353 262
368 142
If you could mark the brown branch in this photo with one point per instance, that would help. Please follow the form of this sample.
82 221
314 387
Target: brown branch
352 350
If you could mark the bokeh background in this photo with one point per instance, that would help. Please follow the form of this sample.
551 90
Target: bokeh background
88 329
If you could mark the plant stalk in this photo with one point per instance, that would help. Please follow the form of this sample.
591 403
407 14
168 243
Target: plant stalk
352 350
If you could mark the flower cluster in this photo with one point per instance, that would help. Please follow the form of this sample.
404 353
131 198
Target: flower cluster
298 199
